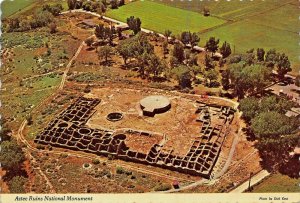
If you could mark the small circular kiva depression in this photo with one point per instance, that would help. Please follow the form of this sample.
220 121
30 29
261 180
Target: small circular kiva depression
115 116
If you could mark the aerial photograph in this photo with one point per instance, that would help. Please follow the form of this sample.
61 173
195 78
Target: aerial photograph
149 96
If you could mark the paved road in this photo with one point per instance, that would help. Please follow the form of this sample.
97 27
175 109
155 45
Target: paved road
254 180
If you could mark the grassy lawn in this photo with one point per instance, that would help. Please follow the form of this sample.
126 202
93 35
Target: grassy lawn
159 17
278 183
245 35
10 7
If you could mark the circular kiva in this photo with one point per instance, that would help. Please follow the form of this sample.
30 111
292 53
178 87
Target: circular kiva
155 104
115 116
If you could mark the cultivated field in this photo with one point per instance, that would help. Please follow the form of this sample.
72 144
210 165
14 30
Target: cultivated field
245 25
159 17
232 10
10 7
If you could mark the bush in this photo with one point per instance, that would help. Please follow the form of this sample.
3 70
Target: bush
96 161
63 155
120 170
16 184
162 187
86 165
41 147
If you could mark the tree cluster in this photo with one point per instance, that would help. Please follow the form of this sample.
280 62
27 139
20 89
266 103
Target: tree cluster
134 24
105 33
138 47
39 19
276 133
11 159
190 38
272 59
53 9
246 79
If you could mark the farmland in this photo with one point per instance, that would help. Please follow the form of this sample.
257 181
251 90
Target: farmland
158 17
11 7
245 25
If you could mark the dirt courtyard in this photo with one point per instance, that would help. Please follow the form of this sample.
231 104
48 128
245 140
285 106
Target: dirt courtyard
178 125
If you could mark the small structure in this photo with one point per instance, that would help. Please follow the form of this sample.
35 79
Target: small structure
122 27
87 23
155 104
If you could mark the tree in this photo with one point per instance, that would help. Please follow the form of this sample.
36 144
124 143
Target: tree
154 66
248 79
260 54
124 49
52 27
274 103
11 156
165 48
121 2
105 52
250 108
89 41
212 45
186 37
209 63
54 9
183 76
134 24
273 124
225 80
225 49
105 33
114 4
168 34
297 81
71 4
283 65
178 52
211 75
271 58
195 39
16 184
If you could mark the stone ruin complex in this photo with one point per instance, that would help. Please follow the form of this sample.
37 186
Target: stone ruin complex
68 130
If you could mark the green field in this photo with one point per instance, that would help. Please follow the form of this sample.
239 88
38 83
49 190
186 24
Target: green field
234 9
158 17
277 183
245 35
10 7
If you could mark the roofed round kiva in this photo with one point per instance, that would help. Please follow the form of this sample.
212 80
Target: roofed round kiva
155 104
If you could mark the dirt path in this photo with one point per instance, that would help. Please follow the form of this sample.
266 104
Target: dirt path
254 180
69 65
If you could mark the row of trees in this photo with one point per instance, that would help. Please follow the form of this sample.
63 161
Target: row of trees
39 19
95 5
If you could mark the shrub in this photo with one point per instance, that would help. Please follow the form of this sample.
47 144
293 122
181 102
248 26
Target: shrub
42 147
162 187
16 184
120 170
96 161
